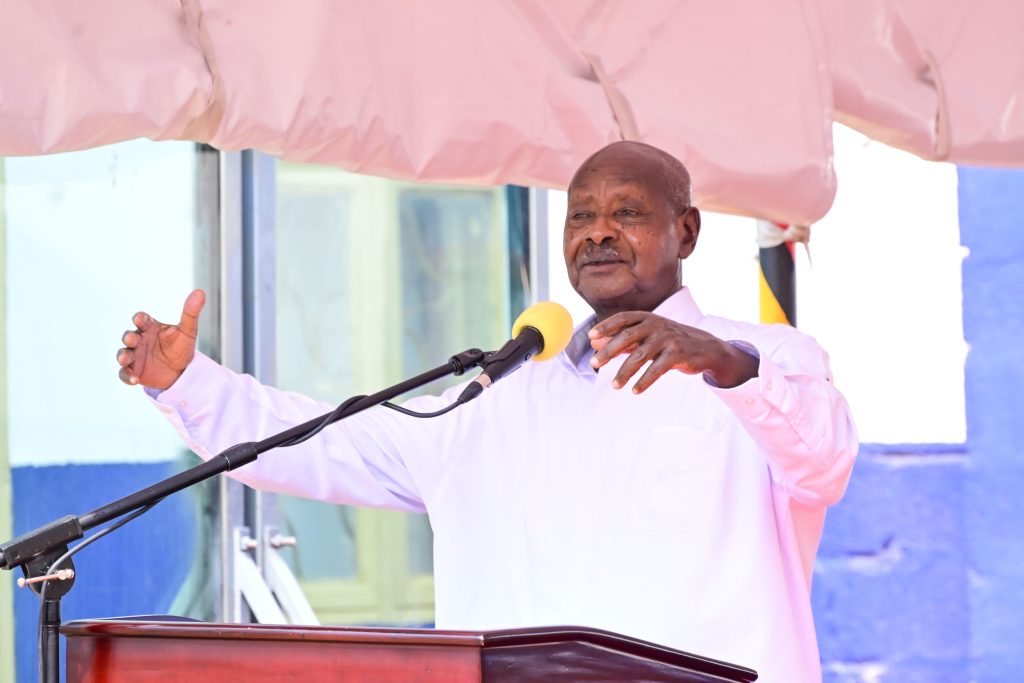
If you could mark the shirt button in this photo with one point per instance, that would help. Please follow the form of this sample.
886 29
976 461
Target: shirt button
769 386
750 401
182 404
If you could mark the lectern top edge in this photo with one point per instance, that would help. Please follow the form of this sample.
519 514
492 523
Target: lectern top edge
615 641
193 629
489 641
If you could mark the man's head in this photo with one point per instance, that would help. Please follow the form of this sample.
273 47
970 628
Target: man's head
628 224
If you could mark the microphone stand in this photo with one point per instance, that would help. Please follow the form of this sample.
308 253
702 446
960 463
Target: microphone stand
37 551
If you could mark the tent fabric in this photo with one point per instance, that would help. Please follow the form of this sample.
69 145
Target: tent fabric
492 92
943 79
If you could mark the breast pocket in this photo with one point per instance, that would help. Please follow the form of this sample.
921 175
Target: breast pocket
679 479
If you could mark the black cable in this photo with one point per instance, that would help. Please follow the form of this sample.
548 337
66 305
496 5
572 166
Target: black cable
323 423
334 413
406 411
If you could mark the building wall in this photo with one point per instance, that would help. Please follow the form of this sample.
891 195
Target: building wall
6 527
138 569
890 588
921 570
992 227
920 576
88 239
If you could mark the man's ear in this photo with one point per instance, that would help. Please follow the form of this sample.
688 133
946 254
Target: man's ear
688 224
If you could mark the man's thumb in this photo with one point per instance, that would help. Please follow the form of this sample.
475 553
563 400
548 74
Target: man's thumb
190 313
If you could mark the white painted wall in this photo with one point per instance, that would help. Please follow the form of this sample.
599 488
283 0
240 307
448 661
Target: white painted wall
92 237
884 295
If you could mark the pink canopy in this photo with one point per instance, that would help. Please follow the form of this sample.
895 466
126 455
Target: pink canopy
492 91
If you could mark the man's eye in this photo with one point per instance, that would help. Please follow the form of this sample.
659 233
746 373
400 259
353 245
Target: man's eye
580 215
628 212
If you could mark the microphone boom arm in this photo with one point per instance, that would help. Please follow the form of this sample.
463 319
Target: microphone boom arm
55 534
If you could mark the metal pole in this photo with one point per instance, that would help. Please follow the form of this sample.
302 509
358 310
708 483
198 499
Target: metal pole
776 243
51 641
232 350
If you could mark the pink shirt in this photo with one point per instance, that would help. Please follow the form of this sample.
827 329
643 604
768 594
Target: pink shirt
688 515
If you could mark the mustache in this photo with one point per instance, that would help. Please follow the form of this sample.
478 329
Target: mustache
597 254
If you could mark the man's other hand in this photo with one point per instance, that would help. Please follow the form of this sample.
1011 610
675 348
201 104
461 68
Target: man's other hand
668 346
155 354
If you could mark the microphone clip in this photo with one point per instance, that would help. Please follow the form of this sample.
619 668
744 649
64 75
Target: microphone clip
461 362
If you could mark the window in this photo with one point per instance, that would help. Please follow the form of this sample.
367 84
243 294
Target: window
379 280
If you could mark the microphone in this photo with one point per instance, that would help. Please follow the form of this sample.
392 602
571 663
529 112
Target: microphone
540 332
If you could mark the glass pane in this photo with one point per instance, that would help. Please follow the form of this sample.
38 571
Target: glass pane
421 546
453 270
335 556
92 237
88 239
378 280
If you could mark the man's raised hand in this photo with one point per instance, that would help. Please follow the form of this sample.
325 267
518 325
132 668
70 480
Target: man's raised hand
668 345
155 354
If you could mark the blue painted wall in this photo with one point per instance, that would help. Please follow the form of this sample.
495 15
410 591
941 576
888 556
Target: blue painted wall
137 569
890 592
920 576
992 227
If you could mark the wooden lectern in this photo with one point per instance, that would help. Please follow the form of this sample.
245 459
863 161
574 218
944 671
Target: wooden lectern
139 651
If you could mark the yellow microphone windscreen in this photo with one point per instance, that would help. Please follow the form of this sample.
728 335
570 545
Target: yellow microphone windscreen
552 321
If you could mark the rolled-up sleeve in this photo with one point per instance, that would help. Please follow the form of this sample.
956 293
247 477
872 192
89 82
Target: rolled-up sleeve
358 461
798 418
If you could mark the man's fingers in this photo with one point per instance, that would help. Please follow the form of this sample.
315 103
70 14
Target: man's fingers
648 337
127 376
634 362
190 313
125 357
611 325
142 320
131 338
655 370
621 342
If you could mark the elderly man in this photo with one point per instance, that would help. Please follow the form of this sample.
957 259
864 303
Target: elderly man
666 477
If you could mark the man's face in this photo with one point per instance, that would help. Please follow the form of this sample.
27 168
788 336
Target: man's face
623 238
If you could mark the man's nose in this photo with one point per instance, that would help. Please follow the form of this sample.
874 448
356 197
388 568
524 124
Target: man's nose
602 230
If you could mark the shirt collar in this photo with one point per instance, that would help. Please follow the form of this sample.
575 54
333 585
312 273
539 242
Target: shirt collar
679 307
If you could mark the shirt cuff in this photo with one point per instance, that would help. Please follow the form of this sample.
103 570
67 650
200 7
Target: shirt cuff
192 391
755 399
744 346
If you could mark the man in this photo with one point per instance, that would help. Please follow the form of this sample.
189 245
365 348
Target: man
684 507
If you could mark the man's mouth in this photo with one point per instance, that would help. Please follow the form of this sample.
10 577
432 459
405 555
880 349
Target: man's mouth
598 259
